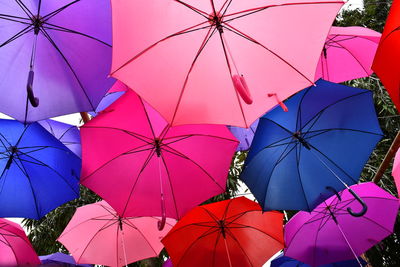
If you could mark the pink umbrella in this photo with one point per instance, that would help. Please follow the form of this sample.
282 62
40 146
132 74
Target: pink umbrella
97 235
15 248
347 54
218 61
396 170
330 233
143 167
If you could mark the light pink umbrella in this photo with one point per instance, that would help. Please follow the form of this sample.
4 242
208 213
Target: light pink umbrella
218 61
15 248
347 54
97 235
143 167
396 170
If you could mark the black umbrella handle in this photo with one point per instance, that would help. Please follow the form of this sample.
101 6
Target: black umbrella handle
364 206
29 88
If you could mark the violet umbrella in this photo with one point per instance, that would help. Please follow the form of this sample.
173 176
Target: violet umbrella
243 135
60 259
67 134
55 57
219 61
112 95
97 235
15 248
347 54
143 167
330 234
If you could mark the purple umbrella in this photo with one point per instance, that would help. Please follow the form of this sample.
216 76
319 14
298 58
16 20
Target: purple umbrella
60 259
67 134
112 95
244 135
330 233
55 57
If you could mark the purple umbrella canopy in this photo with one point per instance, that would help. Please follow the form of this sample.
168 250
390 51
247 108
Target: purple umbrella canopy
67 134
112 95
244 135
55 57
60 259
330 233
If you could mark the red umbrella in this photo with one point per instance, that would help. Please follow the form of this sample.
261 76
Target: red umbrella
233 232
386 63
218 61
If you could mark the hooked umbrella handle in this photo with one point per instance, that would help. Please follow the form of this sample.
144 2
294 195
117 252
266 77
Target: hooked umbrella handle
29 88
364 206
161 223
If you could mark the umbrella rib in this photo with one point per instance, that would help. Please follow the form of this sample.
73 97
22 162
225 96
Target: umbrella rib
182 155
133 134
256 229
170 184
247 37
226 209
25 9
55 12
63 29
298 154
299 110
77 225
12 249
10 18
184 31
66 131
332 104
240 246
143 235
215 247
208 36
48 37
147 117
344 129
280 126
215 218
198 11
17 35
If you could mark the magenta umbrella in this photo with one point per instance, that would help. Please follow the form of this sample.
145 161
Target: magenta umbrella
396 170
330 233
218 61
97 235
347 54
15 248
143 167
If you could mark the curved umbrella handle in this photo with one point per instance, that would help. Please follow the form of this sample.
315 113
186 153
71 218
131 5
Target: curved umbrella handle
29 88
161 223
364 206
330 188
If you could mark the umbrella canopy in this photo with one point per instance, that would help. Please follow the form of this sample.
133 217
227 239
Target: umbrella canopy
218 62
153 169
330 233
113 94
38 173
233 232
243 135
15 248
396 170
387 56
97 235
167 263
299 158
347 54
60 259
283 261
67 134
56 54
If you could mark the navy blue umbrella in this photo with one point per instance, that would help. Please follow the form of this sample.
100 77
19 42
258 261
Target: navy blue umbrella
301 157
38 172
283 261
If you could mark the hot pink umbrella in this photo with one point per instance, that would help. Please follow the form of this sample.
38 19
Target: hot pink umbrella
218 61
97 235
347 54
143 167
15 248
396 170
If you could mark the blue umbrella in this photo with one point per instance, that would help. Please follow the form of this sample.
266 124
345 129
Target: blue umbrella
38 173
301 157
283 261
68 134
60 259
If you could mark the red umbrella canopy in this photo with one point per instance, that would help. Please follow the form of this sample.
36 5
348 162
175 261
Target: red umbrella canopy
233 232
386 63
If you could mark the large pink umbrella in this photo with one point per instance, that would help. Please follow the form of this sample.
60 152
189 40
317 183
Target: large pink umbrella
143 167
97 235
218 61
15 248
347 54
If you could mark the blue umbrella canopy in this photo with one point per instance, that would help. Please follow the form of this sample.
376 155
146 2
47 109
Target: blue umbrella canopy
283 261
38 173
301 157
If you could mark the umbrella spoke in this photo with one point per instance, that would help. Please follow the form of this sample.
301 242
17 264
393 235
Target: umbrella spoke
240 246
298 155
170 183
143 138
25 9
49 26
75 75
55 12
17 35
198 11
15 19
